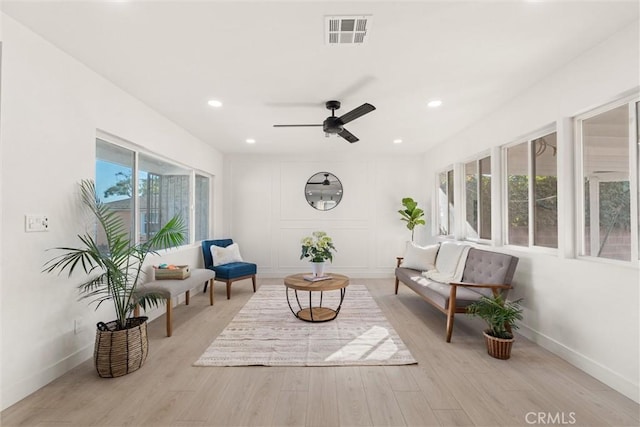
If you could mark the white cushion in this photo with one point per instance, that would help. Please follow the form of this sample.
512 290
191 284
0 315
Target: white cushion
420 258
226 255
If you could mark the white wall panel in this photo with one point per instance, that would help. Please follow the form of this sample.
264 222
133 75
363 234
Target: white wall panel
365 226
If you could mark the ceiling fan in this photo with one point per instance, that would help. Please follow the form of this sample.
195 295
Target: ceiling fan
335 125
325 182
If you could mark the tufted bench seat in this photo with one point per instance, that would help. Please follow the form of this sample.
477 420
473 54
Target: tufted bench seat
485 273
170 289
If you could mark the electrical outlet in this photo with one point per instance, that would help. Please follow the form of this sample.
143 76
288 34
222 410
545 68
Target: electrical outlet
77 326
36 223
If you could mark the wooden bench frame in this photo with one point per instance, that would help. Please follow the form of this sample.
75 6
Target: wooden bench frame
192 281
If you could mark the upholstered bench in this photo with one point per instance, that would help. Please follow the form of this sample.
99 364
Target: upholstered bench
169 289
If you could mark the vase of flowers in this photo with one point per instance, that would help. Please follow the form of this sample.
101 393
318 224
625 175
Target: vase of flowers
318 248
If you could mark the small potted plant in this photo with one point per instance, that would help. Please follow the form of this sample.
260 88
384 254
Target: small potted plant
318 247
501 317
411 214
112 274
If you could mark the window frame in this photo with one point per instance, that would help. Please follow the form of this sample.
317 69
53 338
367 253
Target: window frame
504 202
192 172
477 159
633 111
448 171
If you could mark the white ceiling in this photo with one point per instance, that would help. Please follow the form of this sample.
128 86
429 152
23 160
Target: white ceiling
267 62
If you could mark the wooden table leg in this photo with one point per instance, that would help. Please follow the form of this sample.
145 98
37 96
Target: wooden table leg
169 317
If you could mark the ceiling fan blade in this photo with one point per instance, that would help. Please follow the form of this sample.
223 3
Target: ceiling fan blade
357 112
295 104
293 126
348 136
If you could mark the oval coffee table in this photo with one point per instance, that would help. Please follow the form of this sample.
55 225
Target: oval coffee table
318 313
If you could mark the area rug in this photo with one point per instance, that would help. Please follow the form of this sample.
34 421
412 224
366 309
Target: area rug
265 332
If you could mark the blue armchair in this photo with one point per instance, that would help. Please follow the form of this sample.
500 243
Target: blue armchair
231 272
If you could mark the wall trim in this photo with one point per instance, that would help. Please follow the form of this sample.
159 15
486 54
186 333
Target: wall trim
36 381
584 363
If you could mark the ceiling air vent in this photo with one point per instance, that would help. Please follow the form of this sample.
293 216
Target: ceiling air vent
341 30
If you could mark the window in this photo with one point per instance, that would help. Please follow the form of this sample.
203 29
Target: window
114 174
545 191
202 208
532 192
478 198
606 165
163 190
445 202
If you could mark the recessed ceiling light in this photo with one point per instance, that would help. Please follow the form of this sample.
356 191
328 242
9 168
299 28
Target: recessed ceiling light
251 141
434 103
397 141
215 103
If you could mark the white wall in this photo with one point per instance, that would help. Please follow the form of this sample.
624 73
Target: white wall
585 311
51 108
271 216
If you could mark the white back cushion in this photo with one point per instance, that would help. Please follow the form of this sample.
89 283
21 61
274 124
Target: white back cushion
226 255
420 258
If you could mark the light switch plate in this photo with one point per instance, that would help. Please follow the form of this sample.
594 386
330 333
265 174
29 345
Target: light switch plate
34 222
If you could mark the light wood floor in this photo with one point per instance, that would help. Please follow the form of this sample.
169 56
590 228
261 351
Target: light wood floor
452 384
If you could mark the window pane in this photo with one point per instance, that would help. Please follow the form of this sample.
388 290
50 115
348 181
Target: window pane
545 191
471 198
114 170
638 168
518 195
443 215
163 193
450 199
202 208
607 219
485 198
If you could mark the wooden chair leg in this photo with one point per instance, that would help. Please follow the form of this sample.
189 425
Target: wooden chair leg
253 280
228 290
169 317
451 312
186 297
211 297
205 286
397 284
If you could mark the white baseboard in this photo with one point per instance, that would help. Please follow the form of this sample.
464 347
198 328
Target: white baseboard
588 365
354 274
36 381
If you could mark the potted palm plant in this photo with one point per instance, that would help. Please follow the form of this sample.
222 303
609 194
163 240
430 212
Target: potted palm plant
500 316
411 214
112 272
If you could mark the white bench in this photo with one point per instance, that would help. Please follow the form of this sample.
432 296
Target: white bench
170 289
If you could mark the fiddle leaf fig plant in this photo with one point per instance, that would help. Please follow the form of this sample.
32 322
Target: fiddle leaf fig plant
411 214
114 269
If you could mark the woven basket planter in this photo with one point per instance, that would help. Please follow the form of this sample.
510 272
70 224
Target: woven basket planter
499 348
118 353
